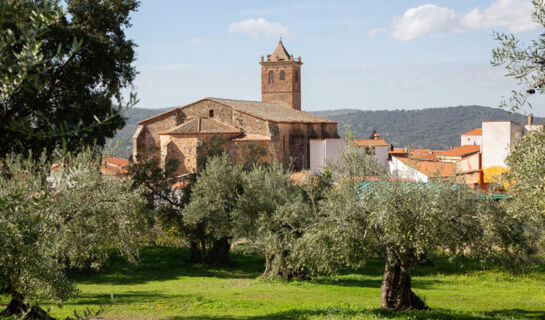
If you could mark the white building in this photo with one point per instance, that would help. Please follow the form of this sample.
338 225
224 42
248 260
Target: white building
324 150
471 138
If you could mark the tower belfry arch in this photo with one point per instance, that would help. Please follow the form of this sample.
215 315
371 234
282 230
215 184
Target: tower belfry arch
281 78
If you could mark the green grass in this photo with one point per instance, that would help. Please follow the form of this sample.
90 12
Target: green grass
161 286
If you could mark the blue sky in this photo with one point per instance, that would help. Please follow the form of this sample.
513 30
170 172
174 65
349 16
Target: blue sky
357 54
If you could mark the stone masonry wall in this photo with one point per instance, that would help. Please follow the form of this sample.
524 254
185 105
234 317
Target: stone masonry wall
286 92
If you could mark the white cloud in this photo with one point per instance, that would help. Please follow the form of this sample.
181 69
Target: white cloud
417 22
257 28
196 40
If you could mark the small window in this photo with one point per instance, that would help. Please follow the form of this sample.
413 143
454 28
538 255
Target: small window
271 76
211 113
296 76
282 75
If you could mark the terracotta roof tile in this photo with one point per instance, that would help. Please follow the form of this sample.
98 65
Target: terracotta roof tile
370 142
116 161
271 111
462 151
474 132
262 110
424 154
431 168
203 125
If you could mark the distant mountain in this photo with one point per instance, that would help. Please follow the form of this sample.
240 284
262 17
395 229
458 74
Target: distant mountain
434 128
123 139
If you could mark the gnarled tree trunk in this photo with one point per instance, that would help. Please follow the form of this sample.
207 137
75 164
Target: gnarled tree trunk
275 266
218 255
17 306
195 255
396 290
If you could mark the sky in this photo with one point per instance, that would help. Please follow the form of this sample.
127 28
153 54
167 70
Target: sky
370 55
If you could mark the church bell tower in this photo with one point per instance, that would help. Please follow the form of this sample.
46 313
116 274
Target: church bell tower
281 78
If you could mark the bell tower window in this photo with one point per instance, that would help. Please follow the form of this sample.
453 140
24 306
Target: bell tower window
271 76
282 75
211 113
296 76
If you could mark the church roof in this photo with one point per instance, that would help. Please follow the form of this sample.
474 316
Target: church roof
280 53
263 110
203 125
271 111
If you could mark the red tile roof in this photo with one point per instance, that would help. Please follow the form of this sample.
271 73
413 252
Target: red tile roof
431 168
424 154
462 151
114 165
370 142
474 132
116 161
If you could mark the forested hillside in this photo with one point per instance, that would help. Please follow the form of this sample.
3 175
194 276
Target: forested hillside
123 139
435 128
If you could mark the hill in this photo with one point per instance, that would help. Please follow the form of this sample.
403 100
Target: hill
123 138
434 128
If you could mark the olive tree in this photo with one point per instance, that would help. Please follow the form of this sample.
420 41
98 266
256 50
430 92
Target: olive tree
210 208
524 63
273 212
526 162
367 211
56 217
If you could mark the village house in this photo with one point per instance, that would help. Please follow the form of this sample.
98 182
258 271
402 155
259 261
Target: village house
478 161
324 150
276 125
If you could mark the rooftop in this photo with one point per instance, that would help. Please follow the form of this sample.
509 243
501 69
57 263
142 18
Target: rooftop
474 132
370 142
271 111
430 168
280 53
462 151
263 110
203 125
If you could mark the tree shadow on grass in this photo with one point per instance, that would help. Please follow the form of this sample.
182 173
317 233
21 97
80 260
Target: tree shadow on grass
371 283
377 313
166 263
128 297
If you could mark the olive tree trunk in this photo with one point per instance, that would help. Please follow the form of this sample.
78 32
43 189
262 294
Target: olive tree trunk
396 290
195 255
17 306
218 255
276 266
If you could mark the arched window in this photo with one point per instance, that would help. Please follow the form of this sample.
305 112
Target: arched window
271 76
282 75
296 76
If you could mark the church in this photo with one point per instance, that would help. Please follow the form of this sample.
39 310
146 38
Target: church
276 124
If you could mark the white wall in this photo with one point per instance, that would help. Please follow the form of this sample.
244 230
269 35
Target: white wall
322 151
317 156
398 169
381 154
497 138
325 150
471 140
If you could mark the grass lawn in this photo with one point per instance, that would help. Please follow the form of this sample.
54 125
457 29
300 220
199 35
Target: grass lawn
162 287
